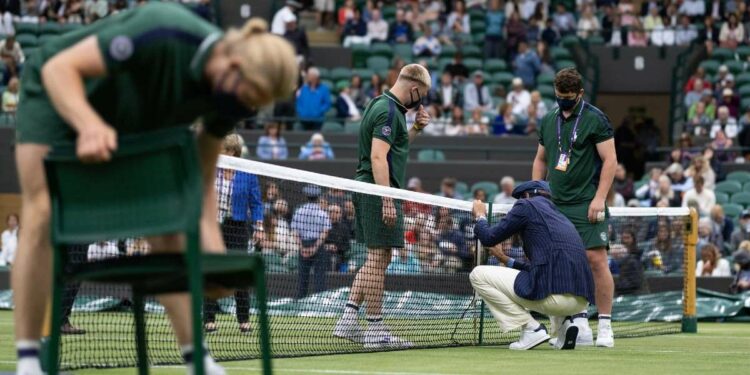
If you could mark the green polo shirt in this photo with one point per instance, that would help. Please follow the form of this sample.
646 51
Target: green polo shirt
579 182
155 56
384 119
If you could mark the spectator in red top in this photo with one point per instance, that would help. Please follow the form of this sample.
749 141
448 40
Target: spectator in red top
700 73
346 12
414 208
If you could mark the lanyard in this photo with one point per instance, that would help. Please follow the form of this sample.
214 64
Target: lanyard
573 134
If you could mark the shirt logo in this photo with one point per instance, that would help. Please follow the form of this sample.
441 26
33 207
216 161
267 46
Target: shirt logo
386 131
121 48
603 235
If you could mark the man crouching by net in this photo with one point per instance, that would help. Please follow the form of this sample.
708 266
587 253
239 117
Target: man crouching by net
557 280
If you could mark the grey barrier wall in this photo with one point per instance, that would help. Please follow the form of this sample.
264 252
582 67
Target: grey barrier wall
635 70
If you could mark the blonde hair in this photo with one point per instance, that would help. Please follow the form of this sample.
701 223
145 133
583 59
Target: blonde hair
415 73
266 60
233 143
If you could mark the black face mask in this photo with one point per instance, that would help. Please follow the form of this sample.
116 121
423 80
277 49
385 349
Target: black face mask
226 102
414 103
566 104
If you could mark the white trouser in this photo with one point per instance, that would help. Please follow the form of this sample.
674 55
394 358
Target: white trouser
495 285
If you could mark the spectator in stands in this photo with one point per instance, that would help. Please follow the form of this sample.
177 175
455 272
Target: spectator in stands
700 120
448 189
731 101
313 101
357 92
400 30
686 32
404 262
95 10
550 34
279 238
564 20
426 45
339 237
494 19
355 30
712 264
670 249
538 104
699 74
519 98
742 232
695 9
316 149
526 65
709 103
637 36
479 195
272 145
680 183
663 34
9 10
477 98
649 189
9 240
506 122
744 120
615 34
515 32
622 183
723 77
628 258
699 166
377 28
588 24
614 199
741 282
324 12
653 19
446 233
10 96
627 12
724 122
312 224
665 191
721 223
532 120
346 13
297 37
460 17
694 95
346 107
507 184
12 56
446 96
457 69
706 234
398 64
705 198
732 32
376 87
719 145
414 208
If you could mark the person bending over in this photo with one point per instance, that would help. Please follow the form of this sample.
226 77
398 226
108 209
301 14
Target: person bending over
556 281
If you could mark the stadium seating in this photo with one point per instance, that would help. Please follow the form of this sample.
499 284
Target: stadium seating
729 187
431 155
489 187
742 198
722 198
733 210
332 127
739 176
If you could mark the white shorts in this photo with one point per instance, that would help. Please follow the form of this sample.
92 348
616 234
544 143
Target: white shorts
324 5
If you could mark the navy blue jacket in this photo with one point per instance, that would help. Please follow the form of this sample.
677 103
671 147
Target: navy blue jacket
557 256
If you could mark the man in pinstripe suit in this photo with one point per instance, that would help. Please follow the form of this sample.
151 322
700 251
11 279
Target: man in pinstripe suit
556 281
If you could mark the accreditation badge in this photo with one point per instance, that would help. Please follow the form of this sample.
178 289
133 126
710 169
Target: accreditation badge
562 163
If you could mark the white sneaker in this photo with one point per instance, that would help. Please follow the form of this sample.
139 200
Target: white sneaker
585 334
530 338
605 337
29 366
377 338
212 368
567 335
348 329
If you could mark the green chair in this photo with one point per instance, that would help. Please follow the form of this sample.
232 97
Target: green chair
722 198
378 63
744 91
570 41
360 53
547 91
742 177
44 38
742 79
152 186
710 66
365 74
729 187
338 74
746 187
545 79
472 51
325 73
52 28
742 198
562 64
745 102
381 49
404 50
430 155
473 64
722 54
734 66
352 127
462 187
743 52
27 28
560 53
389 12
489 187
332 127
732 210
503 78
493 66
477 27
274 263
27 40
448 51
595 40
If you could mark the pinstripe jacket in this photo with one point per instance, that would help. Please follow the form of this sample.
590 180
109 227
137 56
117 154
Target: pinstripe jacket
557 257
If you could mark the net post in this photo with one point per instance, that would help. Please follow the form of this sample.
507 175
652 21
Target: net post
480 261
689 319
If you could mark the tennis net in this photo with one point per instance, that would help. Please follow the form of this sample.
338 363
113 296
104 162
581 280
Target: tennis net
304 223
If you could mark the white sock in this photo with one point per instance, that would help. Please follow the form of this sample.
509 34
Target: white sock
28 357
605 320
375 322
351 311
